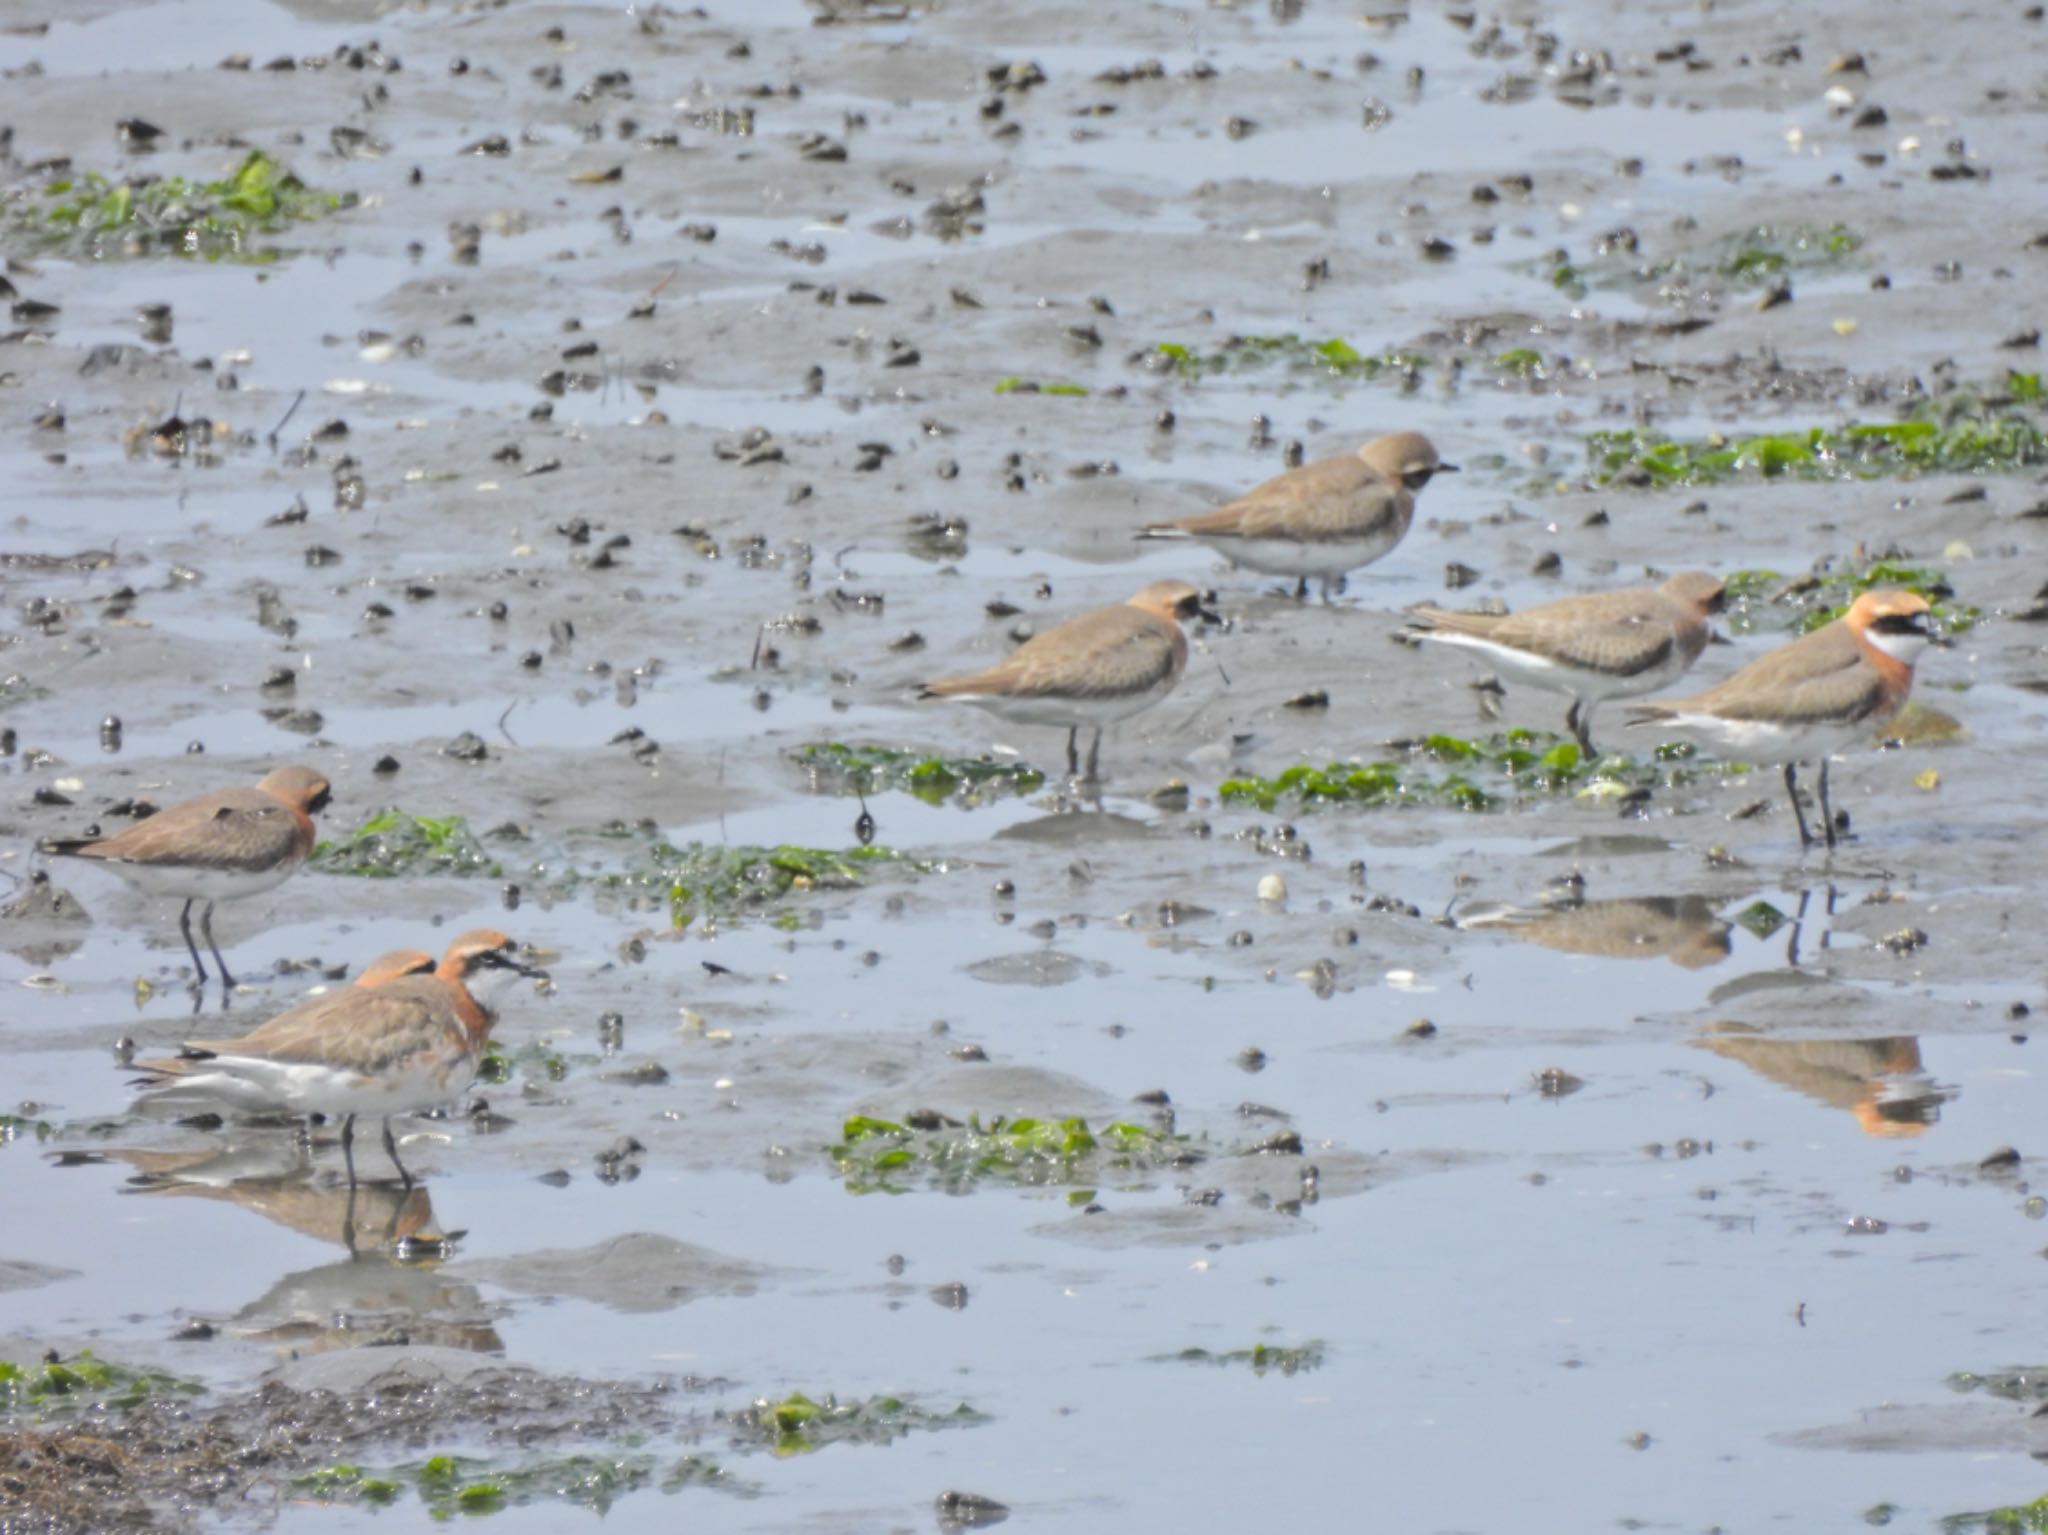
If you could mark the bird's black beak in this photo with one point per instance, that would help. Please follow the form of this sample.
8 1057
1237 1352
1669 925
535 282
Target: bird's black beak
508 959
1197 605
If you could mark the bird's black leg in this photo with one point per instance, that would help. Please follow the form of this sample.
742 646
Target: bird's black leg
348 1149
1579 718
1798 926
206 926
1095 757
391 1151
1827 811
1792 792
1073 756
185 927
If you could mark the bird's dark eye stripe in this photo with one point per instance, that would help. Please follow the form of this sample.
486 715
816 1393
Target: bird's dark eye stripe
1901 623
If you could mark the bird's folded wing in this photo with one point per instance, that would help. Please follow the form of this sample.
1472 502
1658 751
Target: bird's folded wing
236 829
1796 686
1332 498
1113 653
354 1030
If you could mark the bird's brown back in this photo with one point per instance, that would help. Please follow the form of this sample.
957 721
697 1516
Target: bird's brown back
233 831
1110 653
364 1030
1823 675
1331 499
1620 633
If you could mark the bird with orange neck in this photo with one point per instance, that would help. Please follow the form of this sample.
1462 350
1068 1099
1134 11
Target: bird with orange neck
1823 693
401 1040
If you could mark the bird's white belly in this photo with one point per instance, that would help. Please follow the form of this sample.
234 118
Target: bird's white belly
252 1085
198 884
1295 557
1768 741
1557 677
1068 711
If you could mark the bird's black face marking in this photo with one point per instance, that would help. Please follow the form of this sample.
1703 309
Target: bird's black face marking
1901 623
1421 474
506 959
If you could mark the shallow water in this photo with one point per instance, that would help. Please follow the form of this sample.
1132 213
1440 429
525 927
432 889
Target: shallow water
1676 1217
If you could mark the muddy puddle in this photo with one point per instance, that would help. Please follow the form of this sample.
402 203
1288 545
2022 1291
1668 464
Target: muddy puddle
577 430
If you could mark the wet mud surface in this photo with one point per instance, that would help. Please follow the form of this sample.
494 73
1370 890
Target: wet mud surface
630 408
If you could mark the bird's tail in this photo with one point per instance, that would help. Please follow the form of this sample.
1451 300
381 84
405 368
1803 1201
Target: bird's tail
155 1073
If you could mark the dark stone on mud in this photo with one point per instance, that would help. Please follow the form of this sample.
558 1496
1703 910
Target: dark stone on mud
968 1511
1285 1143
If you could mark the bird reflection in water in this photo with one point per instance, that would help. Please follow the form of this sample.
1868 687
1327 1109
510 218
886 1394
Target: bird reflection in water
1683 929
389 1288
1880 1081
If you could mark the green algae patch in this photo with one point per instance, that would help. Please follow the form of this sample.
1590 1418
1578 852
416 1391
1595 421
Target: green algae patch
930 1150
456 1484
1332 359
1746 259
1760 919
83 1385
1749 258
1260 1358
1761 599
1015 385
704 880
836 767
95 217
1973 435
2028 1384
18 1127
347 1484
533 1061
1449 772
2018 1519
393 843
801 1425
